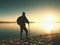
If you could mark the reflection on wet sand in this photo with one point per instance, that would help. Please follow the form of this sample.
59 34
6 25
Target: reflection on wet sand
46 39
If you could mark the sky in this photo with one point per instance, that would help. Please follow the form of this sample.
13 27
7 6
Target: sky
36 10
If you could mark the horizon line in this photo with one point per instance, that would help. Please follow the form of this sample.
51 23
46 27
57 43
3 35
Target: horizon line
30 22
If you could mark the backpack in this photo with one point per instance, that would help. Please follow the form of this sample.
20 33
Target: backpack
19 20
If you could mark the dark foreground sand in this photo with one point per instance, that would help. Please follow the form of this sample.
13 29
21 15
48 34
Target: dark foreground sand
33 40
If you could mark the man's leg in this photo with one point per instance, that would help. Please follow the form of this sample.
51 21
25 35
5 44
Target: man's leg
21 31
25 29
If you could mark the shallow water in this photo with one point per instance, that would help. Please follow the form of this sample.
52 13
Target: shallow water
11 30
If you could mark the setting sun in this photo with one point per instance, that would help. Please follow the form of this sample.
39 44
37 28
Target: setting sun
49 19
48 23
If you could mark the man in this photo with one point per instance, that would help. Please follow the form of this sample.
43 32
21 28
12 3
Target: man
21 22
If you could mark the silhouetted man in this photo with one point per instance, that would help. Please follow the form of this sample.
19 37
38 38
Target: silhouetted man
21 22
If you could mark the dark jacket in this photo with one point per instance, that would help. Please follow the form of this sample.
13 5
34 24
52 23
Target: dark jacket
22 20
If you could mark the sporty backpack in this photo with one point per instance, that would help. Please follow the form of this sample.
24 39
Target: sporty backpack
19 20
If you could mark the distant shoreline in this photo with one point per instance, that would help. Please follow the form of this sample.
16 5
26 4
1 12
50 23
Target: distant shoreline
30 22
7 22
12 22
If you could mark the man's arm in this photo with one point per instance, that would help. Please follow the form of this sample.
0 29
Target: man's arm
27 21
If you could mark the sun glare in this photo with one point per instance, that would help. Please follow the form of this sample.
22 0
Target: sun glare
48 23
49 19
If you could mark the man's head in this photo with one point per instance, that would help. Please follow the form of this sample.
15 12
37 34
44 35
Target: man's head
23 13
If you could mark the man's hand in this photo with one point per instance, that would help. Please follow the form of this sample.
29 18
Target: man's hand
28 23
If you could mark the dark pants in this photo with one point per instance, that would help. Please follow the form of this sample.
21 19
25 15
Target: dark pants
21 31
